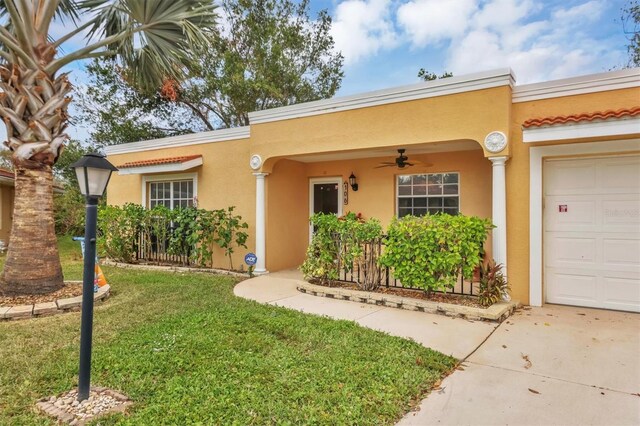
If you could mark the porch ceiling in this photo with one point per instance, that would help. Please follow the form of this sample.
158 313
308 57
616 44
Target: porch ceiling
390 151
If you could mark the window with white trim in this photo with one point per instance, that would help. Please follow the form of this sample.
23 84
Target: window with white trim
171 194
431 193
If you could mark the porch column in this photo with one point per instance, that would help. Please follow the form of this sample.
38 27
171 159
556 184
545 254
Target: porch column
261 250
499 208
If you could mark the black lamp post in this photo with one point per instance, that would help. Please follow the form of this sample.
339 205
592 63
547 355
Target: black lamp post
93 172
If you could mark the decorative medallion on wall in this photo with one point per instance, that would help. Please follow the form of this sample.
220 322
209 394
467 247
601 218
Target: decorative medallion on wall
255 162
495 142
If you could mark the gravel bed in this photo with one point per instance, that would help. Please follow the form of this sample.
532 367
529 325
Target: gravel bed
67 409
70 289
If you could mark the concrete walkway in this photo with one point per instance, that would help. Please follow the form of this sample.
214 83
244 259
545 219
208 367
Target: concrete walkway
430 330
553 365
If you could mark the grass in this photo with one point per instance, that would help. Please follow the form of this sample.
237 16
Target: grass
186 350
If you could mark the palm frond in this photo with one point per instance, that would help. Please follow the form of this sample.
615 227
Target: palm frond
62 9
151 39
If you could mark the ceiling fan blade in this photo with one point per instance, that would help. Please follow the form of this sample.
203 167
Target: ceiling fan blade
419 163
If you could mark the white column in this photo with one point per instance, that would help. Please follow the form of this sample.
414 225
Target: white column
499 208
261 250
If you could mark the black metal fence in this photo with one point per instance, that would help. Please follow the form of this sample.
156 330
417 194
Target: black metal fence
354 275
154 249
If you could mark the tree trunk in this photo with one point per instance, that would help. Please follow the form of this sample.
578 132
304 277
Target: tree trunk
33 264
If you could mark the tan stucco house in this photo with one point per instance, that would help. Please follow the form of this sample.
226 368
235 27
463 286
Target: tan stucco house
556 165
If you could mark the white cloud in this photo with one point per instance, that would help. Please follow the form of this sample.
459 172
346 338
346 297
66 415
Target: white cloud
362 28
503 14
503 34
430 21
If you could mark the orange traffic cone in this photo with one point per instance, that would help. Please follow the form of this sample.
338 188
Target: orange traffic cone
100 279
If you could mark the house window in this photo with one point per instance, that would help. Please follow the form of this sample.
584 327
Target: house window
428 193
171 194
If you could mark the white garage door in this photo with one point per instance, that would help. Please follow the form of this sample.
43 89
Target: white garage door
592 232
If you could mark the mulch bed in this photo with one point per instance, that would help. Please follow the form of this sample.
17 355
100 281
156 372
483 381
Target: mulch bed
69 290
454 299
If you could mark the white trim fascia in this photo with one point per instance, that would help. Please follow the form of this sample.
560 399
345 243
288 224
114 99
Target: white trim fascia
591 83
536 160
440 87
159 178
162 168
329 179
558 132
214 136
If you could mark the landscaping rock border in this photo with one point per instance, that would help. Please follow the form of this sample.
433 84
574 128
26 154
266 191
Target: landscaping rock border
67 410
169 268
50 308
496 312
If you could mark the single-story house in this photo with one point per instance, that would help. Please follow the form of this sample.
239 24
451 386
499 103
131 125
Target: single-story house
556 165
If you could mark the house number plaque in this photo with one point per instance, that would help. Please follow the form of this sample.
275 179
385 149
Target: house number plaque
345 193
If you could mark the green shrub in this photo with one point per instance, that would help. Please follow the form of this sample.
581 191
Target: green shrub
184 231
430 252
344 242
69 211
119 230
230 232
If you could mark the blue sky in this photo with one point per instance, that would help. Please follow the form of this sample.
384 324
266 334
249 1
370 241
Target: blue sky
386 42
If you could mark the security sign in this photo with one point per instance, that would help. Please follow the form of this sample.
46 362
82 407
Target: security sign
250 259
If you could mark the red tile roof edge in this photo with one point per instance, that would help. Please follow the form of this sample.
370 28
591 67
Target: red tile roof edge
576 118
159 161
7 173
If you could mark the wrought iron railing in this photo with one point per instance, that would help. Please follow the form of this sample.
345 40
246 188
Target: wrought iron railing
154 249
353 274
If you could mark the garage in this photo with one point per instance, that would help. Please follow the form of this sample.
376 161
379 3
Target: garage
592 232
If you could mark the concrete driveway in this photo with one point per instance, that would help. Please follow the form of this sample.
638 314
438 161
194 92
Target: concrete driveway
555 365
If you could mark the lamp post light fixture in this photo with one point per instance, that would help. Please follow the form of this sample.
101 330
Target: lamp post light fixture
352 182
93 172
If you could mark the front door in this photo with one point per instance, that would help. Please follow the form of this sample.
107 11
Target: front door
324 196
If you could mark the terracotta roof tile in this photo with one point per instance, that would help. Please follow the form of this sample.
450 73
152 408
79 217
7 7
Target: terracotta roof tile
158 161
577 118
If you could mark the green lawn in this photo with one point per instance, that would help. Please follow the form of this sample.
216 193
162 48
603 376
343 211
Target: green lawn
186 350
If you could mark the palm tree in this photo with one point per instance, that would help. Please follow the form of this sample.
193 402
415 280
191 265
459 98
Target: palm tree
151 40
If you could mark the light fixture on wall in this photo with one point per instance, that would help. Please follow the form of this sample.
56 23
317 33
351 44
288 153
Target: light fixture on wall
352 182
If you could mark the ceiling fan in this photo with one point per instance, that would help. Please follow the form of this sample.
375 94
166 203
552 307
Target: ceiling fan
401 162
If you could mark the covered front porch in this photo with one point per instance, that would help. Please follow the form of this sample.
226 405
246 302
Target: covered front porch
450 177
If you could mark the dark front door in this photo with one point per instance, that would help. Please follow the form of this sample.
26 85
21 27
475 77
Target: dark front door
325 198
